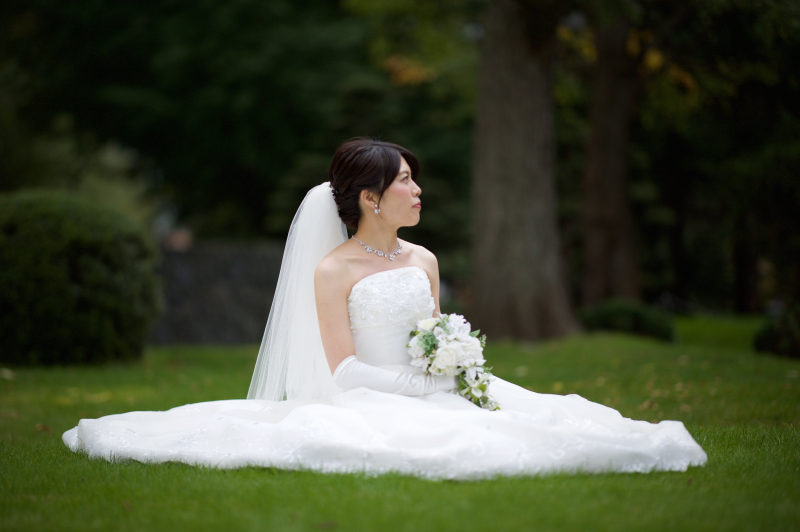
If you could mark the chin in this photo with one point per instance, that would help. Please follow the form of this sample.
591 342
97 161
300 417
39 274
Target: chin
413 222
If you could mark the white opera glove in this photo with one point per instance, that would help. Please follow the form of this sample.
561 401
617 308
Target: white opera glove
352 373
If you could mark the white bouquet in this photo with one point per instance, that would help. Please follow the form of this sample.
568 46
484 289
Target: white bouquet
445 346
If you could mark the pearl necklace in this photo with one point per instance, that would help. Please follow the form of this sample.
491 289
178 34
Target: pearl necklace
379 252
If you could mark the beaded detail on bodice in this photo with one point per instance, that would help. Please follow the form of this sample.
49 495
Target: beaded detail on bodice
384 308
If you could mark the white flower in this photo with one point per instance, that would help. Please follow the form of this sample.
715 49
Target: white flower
442 336
472 373
458 325
473 352
417 353
422 362
446 359
427 325
414 349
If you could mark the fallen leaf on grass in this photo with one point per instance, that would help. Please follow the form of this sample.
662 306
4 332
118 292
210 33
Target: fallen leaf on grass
127 505
327 525
42 427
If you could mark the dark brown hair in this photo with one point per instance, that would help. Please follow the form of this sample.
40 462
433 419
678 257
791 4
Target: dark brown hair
365 164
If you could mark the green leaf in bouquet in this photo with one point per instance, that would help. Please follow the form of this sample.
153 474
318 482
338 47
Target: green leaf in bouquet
475 333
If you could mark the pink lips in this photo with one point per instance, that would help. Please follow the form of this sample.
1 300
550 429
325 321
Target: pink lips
417 206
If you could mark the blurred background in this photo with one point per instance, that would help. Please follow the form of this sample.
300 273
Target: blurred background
573 153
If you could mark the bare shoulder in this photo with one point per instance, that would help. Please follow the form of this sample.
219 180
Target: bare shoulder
422 257
334 270
421 253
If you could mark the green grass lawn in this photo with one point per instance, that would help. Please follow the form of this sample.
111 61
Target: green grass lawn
743 408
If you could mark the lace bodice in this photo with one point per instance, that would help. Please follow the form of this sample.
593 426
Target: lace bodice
384 308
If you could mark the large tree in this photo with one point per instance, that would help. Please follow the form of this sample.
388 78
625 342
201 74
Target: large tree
611 266
518 280
629 41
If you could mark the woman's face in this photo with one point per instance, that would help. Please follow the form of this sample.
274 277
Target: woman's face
400 204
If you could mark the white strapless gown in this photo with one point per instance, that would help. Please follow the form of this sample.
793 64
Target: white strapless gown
435 436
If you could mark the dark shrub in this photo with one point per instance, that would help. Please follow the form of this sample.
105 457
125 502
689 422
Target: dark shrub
628 316
781 335
77 281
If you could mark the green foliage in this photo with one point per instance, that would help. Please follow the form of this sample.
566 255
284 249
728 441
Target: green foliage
241 104
781 335
77 283
628 316
718 143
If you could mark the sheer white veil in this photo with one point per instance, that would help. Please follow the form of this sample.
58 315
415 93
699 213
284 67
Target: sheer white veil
291 362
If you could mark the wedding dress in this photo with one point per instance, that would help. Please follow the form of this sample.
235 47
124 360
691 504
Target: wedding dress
440 435
437 436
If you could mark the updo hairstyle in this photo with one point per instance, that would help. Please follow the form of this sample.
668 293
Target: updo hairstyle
365 164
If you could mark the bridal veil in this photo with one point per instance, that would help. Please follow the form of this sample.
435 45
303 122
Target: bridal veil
291 361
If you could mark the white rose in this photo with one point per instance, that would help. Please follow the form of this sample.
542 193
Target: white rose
421 362
414 349
427 325
458 325
442 336
473 352
446 360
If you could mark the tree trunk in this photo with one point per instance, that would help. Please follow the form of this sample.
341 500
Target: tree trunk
611 264
518 285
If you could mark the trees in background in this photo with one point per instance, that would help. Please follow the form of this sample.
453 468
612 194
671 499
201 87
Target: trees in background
240 104
518 280
675 93
610 258
659 140
717 137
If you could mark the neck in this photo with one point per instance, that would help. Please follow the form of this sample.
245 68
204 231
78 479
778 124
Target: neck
380 237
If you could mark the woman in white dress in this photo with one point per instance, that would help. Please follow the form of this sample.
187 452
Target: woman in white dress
333 389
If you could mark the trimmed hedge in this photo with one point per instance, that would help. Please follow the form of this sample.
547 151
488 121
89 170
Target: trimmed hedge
77 281
781 335
628 316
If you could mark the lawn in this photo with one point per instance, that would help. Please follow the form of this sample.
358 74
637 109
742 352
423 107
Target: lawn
742 407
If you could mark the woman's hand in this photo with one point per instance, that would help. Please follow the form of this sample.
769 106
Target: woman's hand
352 373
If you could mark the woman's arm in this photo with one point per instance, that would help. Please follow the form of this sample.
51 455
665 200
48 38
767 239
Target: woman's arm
431 267
331 287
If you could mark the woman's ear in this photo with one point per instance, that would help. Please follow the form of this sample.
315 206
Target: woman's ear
368 198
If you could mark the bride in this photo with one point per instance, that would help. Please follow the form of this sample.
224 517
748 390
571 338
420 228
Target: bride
333 389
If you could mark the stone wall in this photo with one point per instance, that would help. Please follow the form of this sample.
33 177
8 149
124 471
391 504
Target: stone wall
217 293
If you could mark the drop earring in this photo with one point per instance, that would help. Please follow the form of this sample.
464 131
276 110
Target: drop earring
377 210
